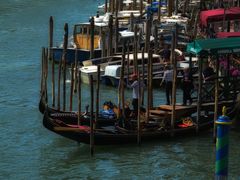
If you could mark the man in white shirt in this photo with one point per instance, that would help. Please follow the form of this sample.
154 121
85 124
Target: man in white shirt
168 78
135 92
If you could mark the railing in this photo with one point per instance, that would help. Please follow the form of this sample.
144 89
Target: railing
228 89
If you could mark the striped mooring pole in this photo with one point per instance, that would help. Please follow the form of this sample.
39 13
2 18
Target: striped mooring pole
222 146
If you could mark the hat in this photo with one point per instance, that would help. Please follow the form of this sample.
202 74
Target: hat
133 76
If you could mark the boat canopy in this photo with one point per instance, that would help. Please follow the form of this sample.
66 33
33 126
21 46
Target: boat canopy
214 46
218 15
227 34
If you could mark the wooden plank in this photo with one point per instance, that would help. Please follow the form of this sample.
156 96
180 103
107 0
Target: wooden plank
159 112
177 107
68 129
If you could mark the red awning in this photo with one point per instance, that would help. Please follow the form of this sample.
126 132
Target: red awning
227 34
218 15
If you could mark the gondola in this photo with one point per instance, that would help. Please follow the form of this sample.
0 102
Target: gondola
112 135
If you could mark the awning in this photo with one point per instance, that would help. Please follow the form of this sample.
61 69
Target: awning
227 34
218 46
218 15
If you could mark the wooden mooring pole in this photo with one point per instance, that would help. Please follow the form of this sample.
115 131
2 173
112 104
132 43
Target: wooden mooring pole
170 7
51 58
149 101
216 97
138 111
59 85
128 63
92 38
122 82
159 10
116 33
141 7
71 88
79 98
103 44
135 48
110 36
42 72
65 44
150 54
106 6
174 87
121 100
200 79
97 95
143 76
91 116
46 73
156 39
75 71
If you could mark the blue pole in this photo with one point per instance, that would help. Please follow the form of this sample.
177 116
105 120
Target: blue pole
222 146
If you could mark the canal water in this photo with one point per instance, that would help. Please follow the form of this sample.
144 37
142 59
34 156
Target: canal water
29 151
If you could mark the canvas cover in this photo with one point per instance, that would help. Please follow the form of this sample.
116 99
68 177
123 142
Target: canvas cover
218 15
220 46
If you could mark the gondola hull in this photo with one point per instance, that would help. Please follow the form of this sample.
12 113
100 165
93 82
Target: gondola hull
115 135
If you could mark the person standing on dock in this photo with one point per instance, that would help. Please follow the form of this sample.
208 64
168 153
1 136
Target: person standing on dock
135 95
208 73
187 86
168 78
165 54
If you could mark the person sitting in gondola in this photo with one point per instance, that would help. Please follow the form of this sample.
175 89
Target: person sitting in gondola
107 111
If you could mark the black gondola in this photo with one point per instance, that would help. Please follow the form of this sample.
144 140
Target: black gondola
110 135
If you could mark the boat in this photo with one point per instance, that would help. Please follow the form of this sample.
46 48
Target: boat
112 71
87 71
111 75
90 67
112 135
81 43
218 15
213 21
124 131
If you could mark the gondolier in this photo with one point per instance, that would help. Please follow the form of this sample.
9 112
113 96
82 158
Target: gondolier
135 95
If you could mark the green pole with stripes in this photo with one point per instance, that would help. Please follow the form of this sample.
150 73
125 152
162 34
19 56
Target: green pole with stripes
222 146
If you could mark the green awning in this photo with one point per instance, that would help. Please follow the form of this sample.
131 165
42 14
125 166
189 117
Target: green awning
218 46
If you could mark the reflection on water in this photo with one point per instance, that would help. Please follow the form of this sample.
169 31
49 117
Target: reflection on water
28 151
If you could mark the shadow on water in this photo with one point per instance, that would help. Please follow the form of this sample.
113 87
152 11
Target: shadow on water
153 159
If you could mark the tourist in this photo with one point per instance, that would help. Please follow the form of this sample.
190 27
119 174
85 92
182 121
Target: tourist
208 73
187 86
165 54
168 79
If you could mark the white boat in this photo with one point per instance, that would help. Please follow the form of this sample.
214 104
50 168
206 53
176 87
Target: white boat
86 71
112 72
